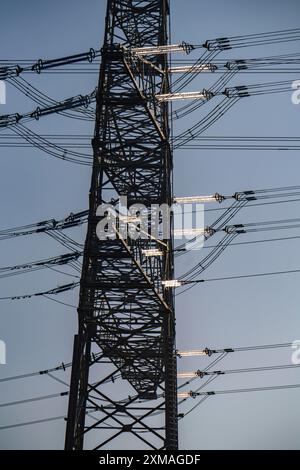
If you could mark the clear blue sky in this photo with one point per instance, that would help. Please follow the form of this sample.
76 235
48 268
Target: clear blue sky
34 186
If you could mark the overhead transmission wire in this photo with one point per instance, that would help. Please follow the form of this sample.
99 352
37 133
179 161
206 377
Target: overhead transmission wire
188 278
279 86
231 232
199 373
259 204
221 352
219 44
220 392
56 227
251 242
44 100
232 96
23 268
215 46
215 361
242 390
10 120
55 291
62 151
65 141
25 137
245 65
240 91
256 39
231 68
214 90
45 226
9 69
244 143
13 121
244 199
76 219
80 141
57 151
53 226
207 394
235 91
64 366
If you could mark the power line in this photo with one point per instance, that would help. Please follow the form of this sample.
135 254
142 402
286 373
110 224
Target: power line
55 291
243 390
62 367
201 373
28 423
193 394
209 351
35 399
292 271
23 268
250 242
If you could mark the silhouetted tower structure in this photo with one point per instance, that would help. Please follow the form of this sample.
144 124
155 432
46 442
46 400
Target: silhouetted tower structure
125 345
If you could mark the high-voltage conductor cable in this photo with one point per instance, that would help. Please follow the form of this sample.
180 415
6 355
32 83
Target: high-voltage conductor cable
71 221
63 140
185 66
249 242
197 129
215 361
212 91
55 291
189 276
70 103
177 283
61 367
207 394
241 199
204 62
75 219
44 100
51 148
56 145
201 373
243 143
61 260
43 65
233 68
34 399
230 233
210 351
247 40
64 366
220 44
258 204
221 353
238 390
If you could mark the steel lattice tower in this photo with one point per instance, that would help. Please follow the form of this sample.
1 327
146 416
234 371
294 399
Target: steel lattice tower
126 318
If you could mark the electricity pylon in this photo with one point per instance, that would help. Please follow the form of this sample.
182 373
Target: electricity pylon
126 339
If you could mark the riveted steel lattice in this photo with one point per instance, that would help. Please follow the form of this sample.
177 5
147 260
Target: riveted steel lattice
126 319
